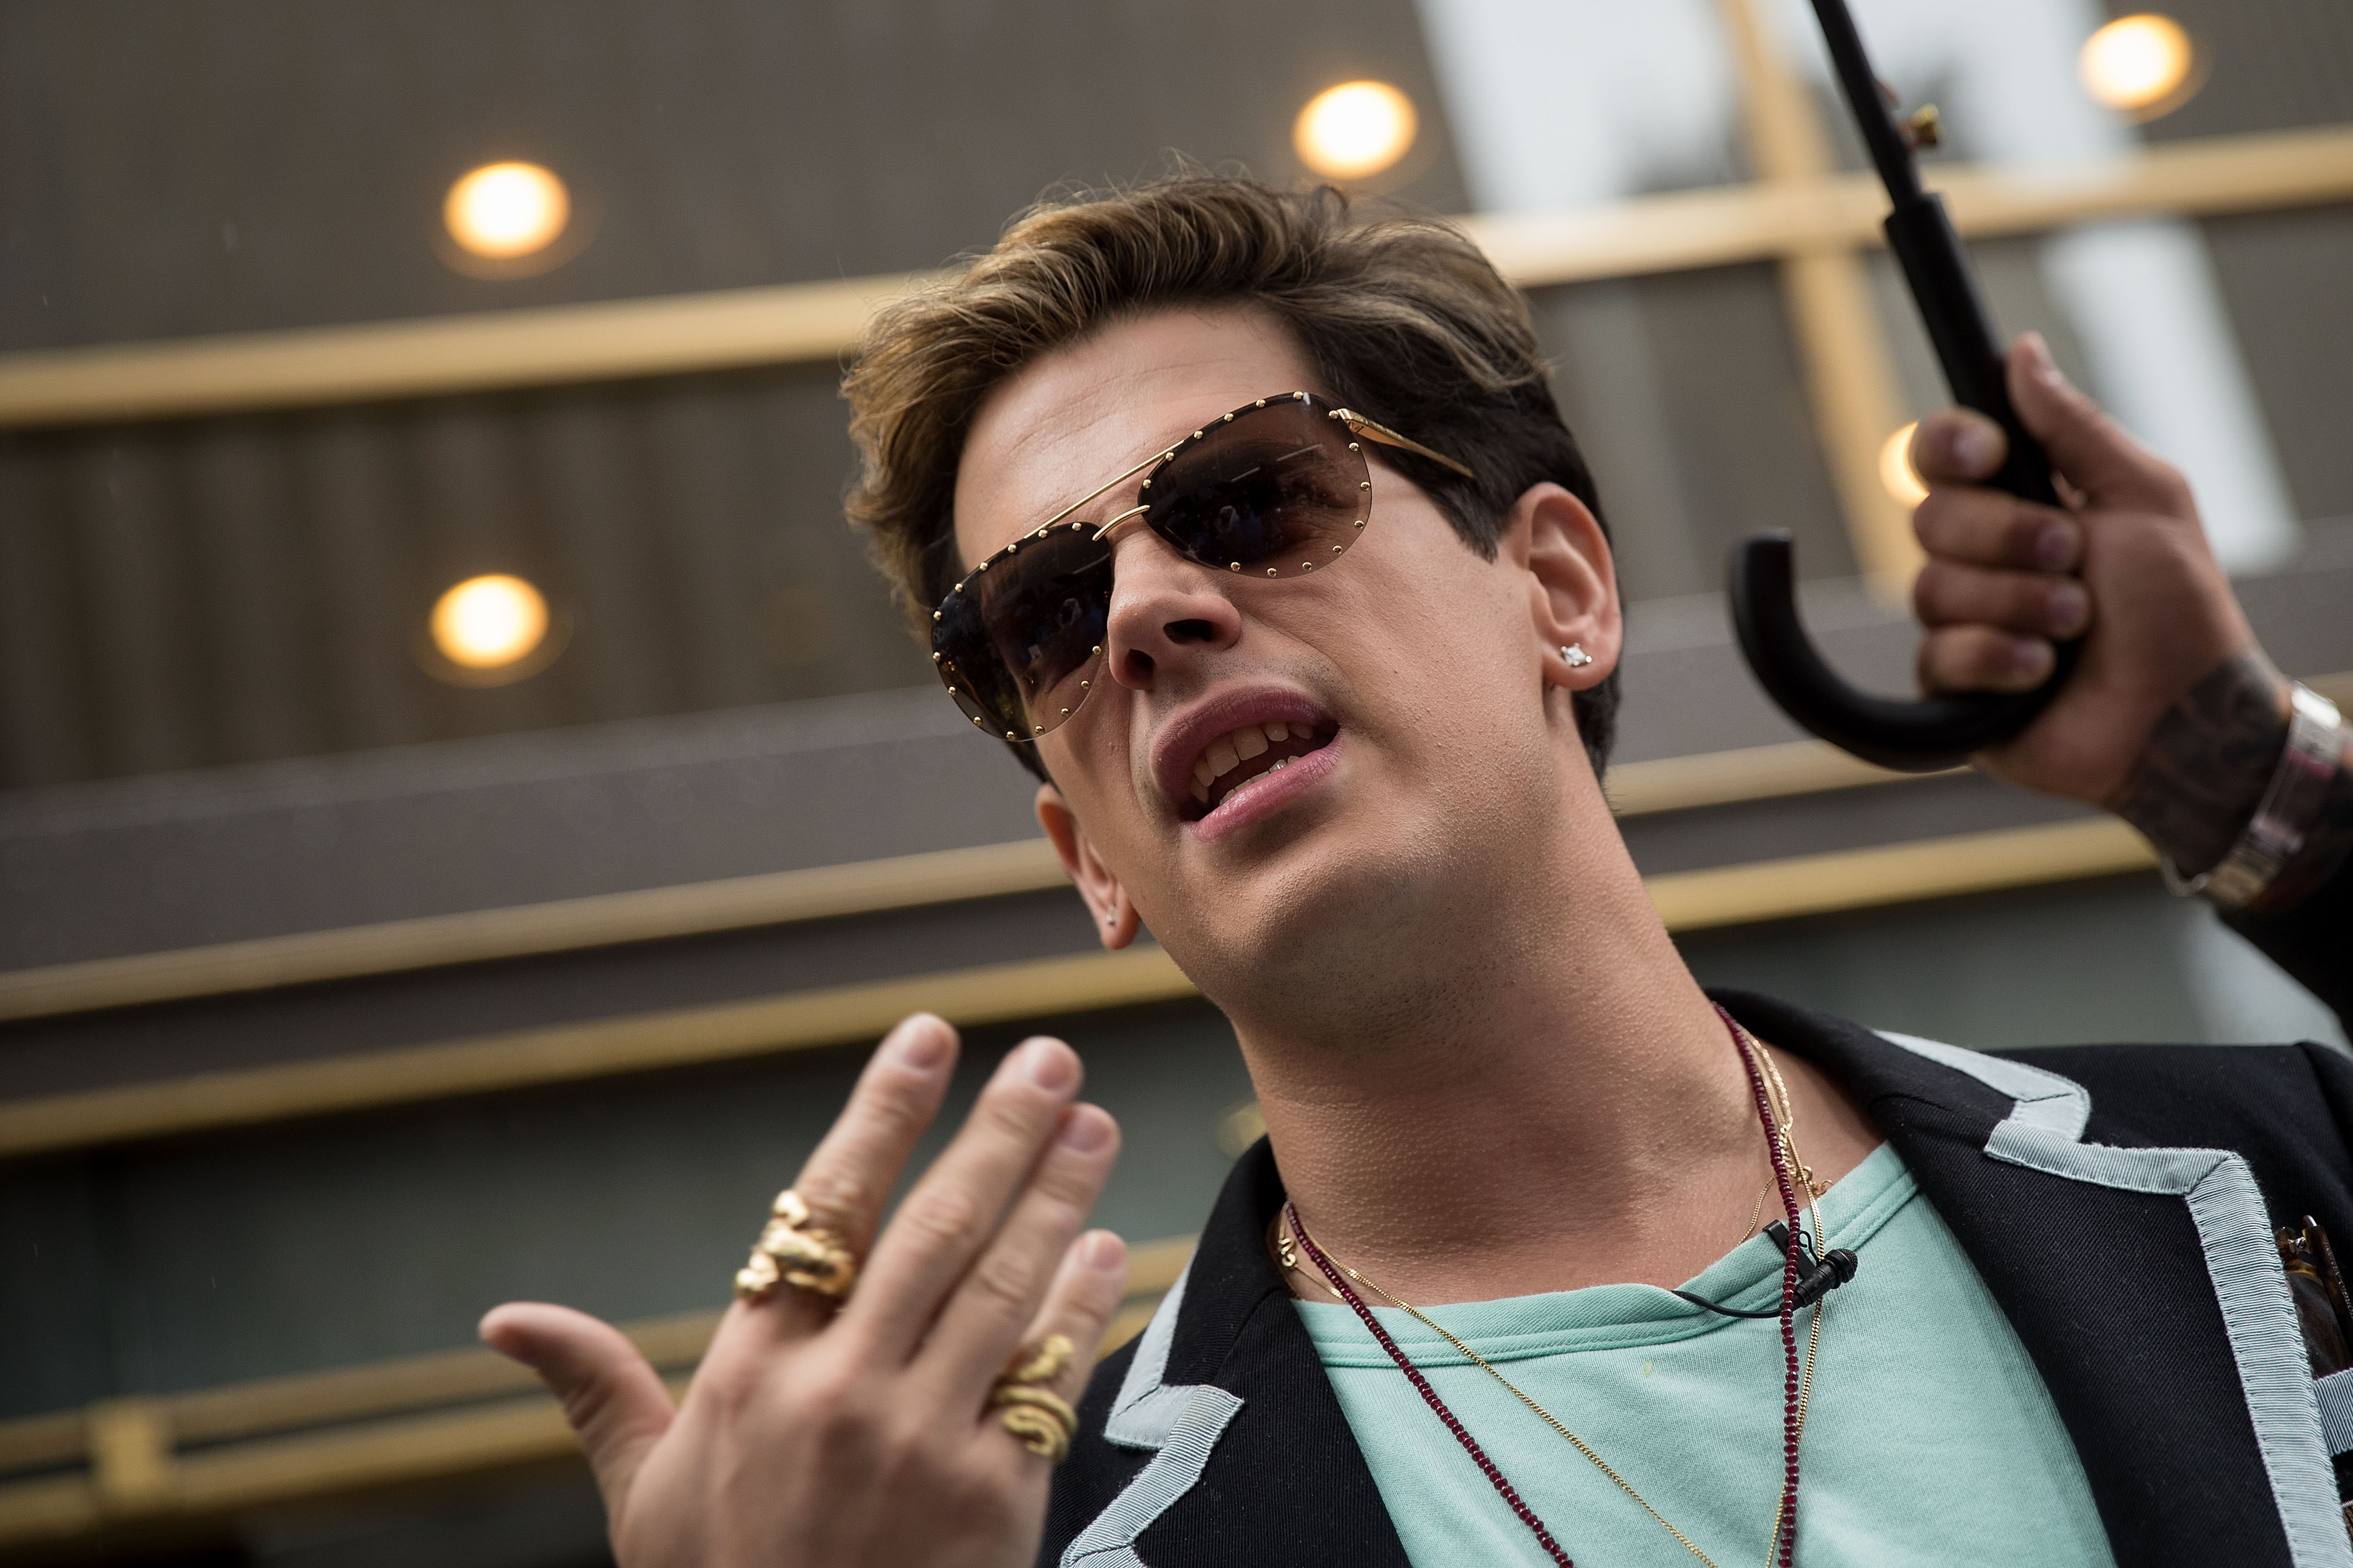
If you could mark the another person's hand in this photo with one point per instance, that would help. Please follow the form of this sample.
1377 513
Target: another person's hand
2124 564
861 1435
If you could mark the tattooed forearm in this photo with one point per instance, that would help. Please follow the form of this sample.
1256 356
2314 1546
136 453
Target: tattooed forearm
2199 779
2207 764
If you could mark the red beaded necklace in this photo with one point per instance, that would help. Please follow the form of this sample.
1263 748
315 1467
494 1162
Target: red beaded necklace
1786 1518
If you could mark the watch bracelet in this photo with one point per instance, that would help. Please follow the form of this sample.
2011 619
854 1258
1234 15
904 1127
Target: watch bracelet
2327 846
2310 765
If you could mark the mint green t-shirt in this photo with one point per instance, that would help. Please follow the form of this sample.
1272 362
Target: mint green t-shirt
1929 1440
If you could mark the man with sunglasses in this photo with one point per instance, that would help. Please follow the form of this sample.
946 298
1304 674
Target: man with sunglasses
1252 529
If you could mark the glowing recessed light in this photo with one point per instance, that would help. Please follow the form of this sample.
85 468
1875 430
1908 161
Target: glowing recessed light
1356 130
2140 64
1896 469
488 623
502 211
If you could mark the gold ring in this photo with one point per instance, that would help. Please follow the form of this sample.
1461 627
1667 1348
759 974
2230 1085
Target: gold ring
1041 1419
794 1252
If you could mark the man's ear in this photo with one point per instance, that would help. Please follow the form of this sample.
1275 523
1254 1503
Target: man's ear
1116 918
1572 586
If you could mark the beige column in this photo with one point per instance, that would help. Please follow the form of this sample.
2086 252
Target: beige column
1841 342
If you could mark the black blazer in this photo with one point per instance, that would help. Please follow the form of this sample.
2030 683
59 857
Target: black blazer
2120 1202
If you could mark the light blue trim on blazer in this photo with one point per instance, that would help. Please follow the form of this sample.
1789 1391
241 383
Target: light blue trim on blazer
2044 1132
2335 1393
1183 1422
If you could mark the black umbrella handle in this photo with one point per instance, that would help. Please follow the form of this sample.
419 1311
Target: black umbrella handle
1918 735
1939 731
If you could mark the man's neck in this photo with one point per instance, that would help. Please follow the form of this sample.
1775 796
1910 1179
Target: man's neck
1574 1113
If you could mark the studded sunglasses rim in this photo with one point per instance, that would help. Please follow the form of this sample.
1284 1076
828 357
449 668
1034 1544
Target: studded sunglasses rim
1358 427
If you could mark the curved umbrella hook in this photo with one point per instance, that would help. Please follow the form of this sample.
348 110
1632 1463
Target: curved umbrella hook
1916 736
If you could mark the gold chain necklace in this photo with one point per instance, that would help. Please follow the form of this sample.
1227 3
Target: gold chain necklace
1785 1126
1784 1122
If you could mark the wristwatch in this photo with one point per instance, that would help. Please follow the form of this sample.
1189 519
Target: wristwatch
2292 800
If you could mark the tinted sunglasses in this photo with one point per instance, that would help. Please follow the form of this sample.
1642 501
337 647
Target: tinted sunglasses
1277 488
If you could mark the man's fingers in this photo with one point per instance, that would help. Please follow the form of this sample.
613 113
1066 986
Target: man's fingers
2039 603
2084 445
1987 528
1087 1292
848 1176
2097 461
1983 658
954 1210
1001 1293
613 1398
1088 1287
1957 446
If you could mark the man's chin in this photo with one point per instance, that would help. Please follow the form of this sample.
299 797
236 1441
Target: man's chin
1324 910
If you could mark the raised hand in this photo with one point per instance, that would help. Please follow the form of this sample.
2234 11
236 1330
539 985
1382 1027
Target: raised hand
860 1434
2125 565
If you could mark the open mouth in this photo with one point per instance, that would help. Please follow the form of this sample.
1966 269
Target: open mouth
1233 759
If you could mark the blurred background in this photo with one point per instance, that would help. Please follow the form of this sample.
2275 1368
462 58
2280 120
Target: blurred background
466 806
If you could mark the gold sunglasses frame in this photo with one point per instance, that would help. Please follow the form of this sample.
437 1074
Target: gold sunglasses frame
1356 424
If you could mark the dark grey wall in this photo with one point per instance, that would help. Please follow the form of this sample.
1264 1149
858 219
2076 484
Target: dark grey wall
180 166
176 860
190 595
1685 393
193 594
2287 278
2274 65
2082 961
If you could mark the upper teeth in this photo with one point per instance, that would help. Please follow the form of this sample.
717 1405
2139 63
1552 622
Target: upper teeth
1227 753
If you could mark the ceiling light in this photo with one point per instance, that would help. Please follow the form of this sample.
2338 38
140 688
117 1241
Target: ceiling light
1896 469
502 211
489 623
1356 130
2140 64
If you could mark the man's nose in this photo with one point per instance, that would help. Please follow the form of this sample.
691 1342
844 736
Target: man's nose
1164 610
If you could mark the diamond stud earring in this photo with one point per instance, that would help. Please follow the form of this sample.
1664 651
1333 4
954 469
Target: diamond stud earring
1576 657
